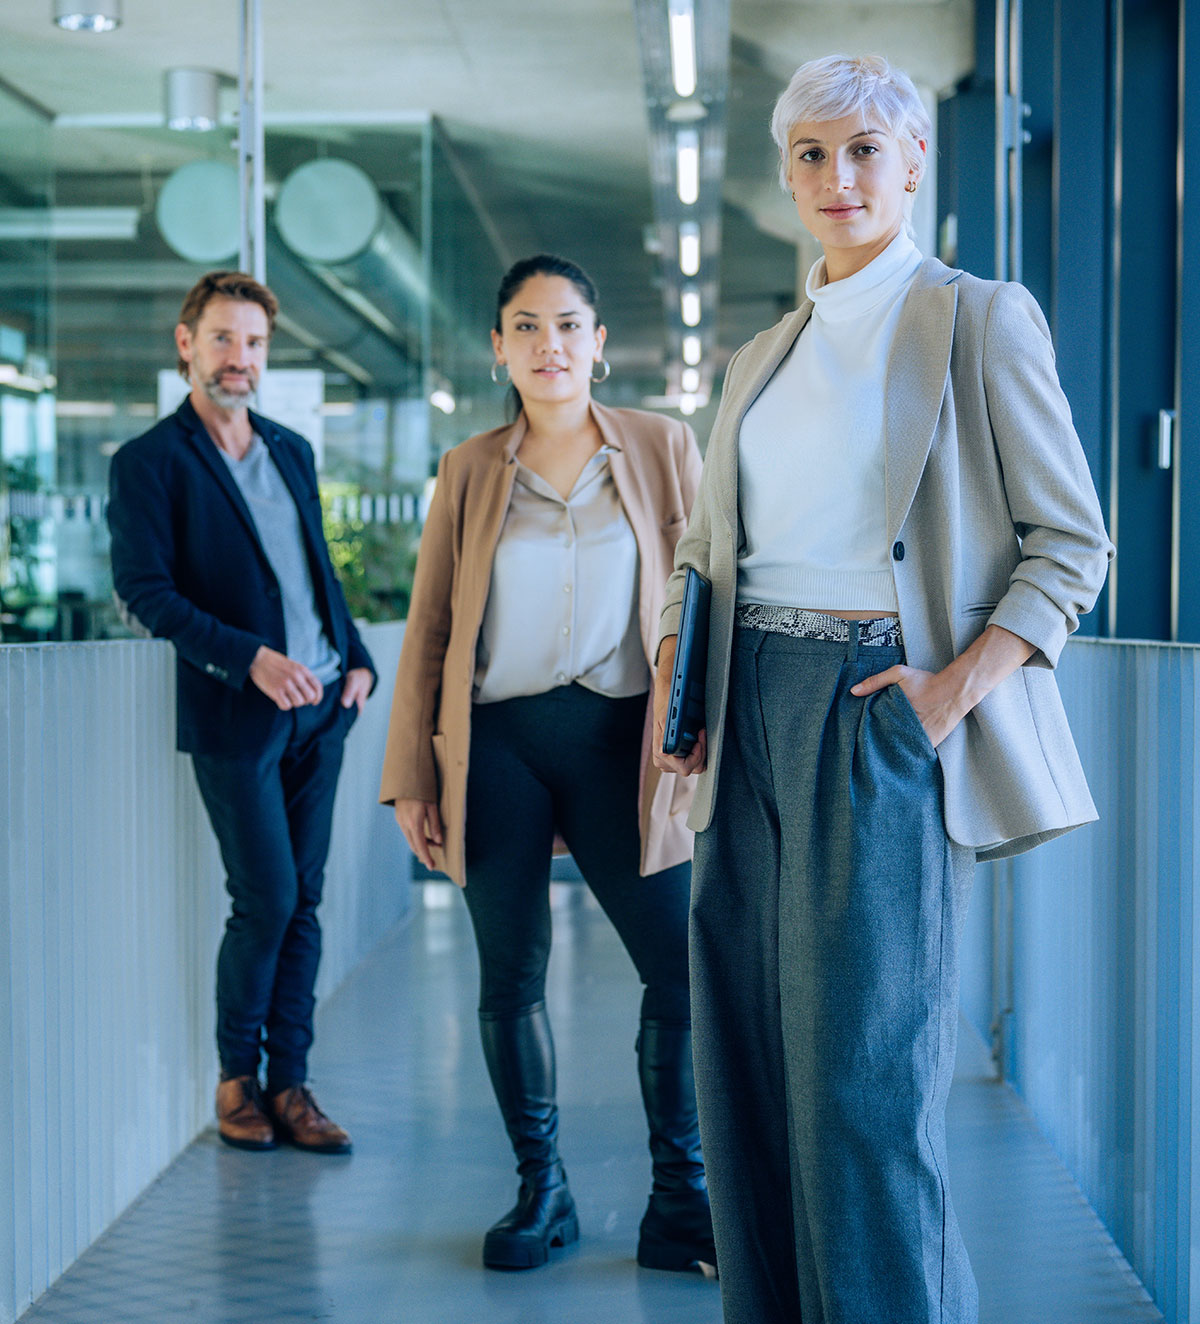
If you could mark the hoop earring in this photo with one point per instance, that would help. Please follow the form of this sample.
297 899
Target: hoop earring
793 197
604 363
500 381
911 186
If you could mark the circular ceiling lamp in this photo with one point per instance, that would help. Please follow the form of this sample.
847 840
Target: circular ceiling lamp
82 16
191 97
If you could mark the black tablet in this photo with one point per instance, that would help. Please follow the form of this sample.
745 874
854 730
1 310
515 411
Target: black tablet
685 717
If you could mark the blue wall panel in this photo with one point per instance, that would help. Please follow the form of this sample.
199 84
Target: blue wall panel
1102 1040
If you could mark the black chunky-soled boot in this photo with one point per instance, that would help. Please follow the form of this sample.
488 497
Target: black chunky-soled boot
676 1231
520 1059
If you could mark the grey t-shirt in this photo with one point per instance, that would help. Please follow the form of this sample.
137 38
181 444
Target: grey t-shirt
278 523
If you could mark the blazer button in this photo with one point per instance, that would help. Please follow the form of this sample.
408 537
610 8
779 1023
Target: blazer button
898 551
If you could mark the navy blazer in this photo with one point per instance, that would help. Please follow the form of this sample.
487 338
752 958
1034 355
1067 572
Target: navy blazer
188 566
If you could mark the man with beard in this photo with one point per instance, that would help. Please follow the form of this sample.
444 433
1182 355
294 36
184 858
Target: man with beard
217 545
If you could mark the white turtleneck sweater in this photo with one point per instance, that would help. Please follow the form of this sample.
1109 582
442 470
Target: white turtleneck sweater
810 454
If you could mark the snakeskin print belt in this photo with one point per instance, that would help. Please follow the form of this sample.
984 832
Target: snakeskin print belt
804 624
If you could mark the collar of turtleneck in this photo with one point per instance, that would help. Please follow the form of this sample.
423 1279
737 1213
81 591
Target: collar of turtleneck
881 280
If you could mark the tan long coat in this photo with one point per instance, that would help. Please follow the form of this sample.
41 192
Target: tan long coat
992 518
656 469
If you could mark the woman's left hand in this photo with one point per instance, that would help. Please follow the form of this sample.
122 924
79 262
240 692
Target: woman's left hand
936 697
941 699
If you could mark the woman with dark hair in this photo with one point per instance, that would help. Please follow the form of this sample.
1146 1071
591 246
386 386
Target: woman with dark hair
900 531
521 711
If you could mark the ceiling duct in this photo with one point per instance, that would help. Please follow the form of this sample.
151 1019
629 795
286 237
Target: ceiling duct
330 214
197 214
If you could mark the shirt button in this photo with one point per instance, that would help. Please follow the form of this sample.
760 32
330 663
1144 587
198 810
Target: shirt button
566 588
561 677
898 551
566 629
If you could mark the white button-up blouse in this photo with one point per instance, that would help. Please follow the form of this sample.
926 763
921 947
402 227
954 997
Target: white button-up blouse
563 601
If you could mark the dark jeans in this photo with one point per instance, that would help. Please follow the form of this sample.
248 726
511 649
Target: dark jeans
569 759
272 816
826 920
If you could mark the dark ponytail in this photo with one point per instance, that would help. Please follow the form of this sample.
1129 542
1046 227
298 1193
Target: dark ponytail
541 264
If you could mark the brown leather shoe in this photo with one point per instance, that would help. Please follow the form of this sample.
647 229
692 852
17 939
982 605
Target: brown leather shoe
299 1121
241 1115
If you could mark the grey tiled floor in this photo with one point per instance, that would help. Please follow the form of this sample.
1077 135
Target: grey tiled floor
391 1234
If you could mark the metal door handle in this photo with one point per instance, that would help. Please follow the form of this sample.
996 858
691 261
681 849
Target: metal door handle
1166 437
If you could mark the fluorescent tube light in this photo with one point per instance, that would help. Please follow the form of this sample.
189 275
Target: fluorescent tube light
687 166
689 307
689 248
681 25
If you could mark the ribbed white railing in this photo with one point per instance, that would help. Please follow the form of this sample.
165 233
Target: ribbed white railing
1089 950
111 908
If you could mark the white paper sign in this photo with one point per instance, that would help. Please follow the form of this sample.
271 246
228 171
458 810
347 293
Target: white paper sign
293 397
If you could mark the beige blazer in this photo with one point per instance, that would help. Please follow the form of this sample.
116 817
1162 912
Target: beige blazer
656 468
993 519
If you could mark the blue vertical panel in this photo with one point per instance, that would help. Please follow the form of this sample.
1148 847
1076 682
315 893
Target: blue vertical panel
1186 494
1081 186
1038 154
1106 939
1146 67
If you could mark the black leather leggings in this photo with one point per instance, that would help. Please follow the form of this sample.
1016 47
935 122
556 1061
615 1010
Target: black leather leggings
565 759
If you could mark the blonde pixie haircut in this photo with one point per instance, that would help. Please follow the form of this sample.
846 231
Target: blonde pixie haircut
838 85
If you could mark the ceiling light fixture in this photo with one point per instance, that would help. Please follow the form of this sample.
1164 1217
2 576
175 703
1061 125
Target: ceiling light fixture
691 350
687 166
687 404
681 22
689 307
443 400
689 248
99 16
191 98
689 380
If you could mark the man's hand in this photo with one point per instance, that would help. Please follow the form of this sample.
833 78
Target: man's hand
286 683
697 758
421 824
356 687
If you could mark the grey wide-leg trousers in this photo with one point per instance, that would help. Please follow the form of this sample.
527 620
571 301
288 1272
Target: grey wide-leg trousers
827 911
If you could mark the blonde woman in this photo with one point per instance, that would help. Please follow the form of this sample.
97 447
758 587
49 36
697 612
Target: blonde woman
901 532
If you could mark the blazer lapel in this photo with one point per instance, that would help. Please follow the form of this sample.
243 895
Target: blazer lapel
485 506
915 384
776 343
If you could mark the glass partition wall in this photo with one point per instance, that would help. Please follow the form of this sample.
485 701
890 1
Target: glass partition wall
30 591
385 277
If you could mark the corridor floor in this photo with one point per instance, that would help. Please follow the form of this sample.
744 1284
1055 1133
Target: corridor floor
391 1234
